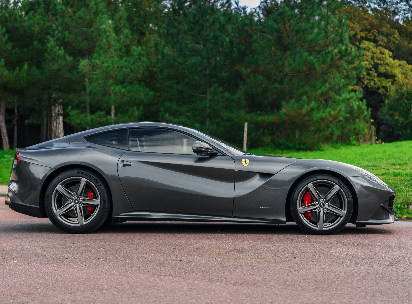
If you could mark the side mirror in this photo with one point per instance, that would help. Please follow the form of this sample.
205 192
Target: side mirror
201 148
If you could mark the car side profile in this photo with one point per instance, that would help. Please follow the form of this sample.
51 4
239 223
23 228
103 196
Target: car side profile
158 171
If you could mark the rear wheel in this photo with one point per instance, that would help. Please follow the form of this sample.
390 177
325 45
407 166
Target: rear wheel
321 204
77 201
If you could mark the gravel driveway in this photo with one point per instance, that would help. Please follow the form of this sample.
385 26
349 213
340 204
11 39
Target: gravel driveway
169 262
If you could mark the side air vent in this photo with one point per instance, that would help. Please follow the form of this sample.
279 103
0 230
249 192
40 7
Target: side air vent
391 200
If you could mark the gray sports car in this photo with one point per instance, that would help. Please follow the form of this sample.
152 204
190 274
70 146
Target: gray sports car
157 171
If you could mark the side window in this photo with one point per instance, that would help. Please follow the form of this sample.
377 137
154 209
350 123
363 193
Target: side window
115 139
160 141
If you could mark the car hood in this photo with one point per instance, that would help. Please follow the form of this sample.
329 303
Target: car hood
274 164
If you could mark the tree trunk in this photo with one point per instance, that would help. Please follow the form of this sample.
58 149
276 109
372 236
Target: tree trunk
207 107
49 125
43 126
16 117
245 137
113 113
57 121
297 137
3 129
87 94
87 102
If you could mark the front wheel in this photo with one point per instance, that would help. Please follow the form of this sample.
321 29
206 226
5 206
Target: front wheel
321 204
77 201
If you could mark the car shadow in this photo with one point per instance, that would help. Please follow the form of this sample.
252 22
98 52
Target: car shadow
27 227
223 228
188 228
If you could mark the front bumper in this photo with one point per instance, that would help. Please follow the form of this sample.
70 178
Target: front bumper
389 220
384 215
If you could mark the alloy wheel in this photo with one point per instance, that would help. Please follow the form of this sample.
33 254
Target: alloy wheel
322 205
75 201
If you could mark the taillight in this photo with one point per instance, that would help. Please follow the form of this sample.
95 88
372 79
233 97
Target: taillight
16 159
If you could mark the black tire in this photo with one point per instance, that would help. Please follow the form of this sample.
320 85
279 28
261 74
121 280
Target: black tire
321 204
77 201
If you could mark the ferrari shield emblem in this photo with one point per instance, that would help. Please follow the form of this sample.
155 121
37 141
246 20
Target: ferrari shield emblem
245 162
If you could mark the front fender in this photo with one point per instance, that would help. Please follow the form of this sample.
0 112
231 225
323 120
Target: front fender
368 196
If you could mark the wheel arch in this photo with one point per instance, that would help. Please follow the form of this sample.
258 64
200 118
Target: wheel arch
338 175
67 167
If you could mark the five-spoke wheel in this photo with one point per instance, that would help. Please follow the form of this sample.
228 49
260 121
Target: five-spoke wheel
76 201
77 206
321 204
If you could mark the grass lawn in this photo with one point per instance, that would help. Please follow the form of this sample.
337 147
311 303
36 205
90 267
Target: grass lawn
6 160
390 162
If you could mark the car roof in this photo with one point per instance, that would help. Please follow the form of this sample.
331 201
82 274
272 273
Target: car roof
147 124
80 137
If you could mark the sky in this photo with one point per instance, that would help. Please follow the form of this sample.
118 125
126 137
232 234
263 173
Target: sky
250 3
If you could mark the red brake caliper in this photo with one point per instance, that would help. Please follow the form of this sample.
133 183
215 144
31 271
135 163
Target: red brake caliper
90 195
307 199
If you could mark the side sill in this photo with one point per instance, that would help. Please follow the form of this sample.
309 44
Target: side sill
158 216
17 205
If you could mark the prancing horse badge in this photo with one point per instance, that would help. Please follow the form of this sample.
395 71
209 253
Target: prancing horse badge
245 162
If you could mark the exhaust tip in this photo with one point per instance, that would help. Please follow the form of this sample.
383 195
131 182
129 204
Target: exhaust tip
7 201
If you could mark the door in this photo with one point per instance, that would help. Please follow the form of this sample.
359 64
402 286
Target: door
253 197
160 173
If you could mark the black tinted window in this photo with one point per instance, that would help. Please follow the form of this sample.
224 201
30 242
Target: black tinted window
160 141
115 139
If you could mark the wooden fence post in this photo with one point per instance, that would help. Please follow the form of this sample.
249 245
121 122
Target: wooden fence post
372 135
245 137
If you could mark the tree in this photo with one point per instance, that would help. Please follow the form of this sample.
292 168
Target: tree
397 111
5 48
399 9
79 33
18 42
302 70
386 44
114 74
200 84
381 70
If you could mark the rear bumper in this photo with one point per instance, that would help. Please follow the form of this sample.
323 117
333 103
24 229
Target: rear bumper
17 205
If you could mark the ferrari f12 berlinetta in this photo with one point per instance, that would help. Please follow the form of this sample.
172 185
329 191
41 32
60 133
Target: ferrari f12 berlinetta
157 171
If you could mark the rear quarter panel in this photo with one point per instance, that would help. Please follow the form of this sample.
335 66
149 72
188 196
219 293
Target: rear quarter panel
39 166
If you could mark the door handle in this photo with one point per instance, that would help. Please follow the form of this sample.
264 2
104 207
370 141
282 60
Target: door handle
125 163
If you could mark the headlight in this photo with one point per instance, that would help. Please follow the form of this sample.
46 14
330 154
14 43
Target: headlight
370 176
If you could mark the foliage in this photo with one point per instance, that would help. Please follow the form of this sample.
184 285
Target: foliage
381 70
201 86
112 75
296 71
386 44
399 9
374 25
301 74
110 59
398 108
376 33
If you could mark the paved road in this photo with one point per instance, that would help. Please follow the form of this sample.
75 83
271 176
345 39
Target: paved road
202 263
